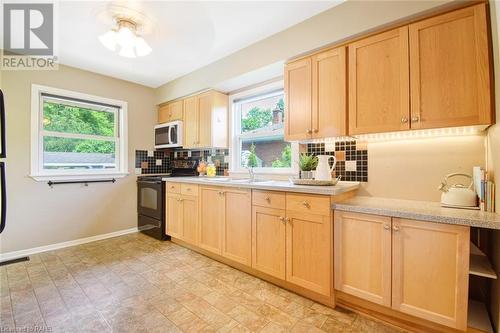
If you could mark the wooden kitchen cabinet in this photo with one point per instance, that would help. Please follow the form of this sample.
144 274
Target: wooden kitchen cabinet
205 120
450 71
379 86
237 225
363 256
191 122
190 219
175 227
298 95
309 251
269 241
170 112
415 267
329 88
211 219
315 90
431 271
294 244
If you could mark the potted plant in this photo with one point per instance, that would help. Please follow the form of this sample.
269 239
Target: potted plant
307 163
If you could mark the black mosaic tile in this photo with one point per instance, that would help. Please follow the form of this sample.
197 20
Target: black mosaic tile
351 154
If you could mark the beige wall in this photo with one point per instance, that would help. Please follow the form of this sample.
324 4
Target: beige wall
38 215
345 20
413 169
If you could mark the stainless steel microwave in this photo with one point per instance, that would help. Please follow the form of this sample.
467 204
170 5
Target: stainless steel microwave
168 135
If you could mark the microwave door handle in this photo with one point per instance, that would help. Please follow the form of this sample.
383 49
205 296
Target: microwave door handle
170 128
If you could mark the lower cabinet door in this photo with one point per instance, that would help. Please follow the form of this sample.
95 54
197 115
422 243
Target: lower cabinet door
190 219
211 219
237 226
309 257
362 249
174 216
431 271
268 241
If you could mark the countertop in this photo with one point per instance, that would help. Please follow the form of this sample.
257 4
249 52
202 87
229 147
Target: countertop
272 185
419 210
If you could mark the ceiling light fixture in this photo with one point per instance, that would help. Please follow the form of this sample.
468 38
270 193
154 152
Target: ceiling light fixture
125 37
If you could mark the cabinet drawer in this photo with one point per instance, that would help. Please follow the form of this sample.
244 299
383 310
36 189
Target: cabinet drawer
173 187
312 204
189 189
269 199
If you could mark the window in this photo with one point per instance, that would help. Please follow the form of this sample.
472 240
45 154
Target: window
77 136
258 131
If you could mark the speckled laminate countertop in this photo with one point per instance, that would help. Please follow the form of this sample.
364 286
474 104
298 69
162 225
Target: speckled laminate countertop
271 185
419 210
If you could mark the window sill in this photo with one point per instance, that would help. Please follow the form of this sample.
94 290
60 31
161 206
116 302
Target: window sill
78 177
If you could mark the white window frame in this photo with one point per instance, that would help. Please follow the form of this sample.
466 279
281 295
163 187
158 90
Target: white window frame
38 173
235 121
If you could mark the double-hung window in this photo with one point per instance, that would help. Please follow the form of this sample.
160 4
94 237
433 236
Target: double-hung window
258 131
77 136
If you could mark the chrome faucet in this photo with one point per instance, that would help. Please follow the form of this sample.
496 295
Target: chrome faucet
251 173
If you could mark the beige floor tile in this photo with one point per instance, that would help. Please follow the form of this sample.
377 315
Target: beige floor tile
136 284
248 318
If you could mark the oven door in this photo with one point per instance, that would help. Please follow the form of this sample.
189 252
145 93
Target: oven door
150 199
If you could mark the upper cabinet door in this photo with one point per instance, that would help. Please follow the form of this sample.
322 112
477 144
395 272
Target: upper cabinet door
450 75
191 122
430 272
205 127
379 83
329 93
163 114
298 100
175 110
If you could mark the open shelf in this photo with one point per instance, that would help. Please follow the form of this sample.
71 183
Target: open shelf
478 318
479 263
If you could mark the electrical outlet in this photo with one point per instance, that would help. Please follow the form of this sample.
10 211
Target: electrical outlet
350 166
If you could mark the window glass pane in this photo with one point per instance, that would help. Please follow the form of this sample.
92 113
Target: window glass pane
59 117
67 153
262 115
271 152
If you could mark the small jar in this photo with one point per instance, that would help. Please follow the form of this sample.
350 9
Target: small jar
211 170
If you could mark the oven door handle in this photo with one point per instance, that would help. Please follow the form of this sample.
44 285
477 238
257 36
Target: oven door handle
147 182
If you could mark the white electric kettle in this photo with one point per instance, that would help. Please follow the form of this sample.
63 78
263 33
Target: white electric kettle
323 170
458 195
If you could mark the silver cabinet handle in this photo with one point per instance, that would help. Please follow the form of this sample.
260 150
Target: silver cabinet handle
306 204
387 227
415 119
395 228
404 120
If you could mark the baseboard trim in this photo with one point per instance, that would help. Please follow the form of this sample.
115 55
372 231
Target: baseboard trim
23 253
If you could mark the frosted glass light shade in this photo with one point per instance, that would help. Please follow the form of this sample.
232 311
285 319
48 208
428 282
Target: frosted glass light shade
141 47
108 39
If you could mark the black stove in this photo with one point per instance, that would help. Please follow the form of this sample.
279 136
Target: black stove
151 208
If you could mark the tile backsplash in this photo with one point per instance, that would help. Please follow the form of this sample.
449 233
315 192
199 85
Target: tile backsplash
161 161
151 162
349 152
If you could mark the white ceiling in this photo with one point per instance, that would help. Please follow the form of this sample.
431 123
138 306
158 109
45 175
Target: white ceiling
184 35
